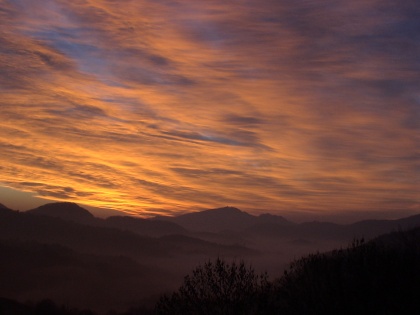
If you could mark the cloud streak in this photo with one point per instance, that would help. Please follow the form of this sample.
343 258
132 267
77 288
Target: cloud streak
169 106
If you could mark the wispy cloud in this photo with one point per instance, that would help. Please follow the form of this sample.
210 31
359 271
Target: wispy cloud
166 106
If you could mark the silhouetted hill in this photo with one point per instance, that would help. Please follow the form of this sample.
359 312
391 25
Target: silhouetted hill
227 222
93 239
401 240
5 211
72 212
378 277
3 207
215 220
371 228
327 230
144 226
64 210
409 222
222 219
242 225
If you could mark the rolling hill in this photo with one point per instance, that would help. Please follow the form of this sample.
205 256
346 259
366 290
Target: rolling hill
223 219
64 210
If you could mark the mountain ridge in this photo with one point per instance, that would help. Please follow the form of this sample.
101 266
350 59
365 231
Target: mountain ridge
229 223
222 219
225 220
3 207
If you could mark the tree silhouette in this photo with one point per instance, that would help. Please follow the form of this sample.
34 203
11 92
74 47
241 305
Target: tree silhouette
378 277
218 288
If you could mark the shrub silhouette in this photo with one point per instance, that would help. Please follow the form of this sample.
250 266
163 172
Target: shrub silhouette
218 288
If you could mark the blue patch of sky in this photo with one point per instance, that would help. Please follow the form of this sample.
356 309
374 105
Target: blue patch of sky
88 57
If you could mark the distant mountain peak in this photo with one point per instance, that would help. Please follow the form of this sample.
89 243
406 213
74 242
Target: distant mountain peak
219 213
214 220
64 210
66 206
227 209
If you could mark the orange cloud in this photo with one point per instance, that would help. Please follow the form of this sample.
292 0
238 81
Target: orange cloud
156 107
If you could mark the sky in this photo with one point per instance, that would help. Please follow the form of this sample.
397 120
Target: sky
160 107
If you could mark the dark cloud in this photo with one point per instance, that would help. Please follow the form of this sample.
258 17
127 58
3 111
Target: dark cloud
48 190
147 77
79 112
246 121
196 136
159 60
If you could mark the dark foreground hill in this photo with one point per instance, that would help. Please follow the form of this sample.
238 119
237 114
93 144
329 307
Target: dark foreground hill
378 277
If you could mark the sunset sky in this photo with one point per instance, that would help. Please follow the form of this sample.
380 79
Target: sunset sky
167 106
